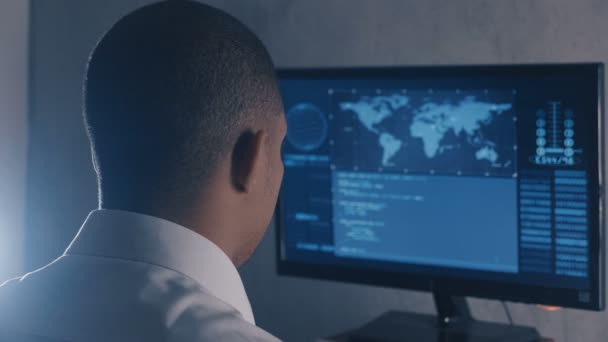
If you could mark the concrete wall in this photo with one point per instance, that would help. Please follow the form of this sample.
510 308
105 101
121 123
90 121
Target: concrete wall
301 33
14 25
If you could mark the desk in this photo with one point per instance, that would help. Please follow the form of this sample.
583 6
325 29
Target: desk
402 326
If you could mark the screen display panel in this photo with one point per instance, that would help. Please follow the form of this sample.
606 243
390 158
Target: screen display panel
483 181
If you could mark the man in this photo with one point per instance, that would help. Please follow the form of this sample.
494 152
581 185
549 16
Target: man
185 120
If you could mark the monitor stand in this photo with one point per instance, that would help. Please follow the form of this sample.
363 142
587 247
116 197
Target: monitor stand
453 323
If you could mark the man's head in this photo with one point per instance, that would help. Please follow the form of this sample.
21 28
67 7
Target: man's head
185 119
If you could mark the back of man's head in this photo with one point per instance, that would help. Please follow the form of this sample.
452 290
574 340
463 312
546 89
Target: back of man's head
168 90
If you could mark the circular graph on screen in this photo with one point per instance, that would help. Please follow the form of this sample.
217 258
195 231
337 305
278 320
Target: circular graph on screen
307 127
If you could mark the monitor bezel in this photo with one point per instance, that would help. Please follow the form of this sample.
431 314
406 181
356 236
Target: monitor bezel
449 284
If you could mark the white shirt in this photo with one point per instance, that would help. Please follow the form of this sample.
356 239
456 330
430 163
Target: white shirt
133 277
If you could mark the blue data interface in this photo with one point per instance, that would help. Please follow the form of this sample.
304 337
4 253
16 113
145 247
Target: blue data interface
487 179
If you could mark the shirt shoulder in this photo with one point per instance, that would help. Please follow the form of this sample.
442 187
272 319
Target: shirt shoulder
131 301
205 319
191 313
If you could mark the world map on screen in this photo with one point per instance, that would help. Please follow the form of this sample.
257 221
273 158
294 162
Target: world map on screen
451 132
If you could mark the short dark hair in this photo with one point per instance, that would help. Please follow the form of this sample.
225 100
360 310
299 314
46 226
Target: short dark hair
168 89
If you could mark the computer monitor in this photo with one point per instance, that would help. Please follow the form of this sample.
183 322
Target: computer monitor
482 181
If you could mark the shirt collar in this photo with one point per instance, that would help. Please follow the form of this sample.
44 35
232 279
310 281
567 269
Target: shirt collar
138 237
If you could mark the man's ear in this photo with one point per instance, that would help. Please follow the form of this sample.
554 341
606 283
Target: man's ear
249 158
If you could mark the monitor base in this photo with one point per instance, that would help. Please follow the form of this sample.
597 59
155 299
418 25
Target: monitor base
405 326
453 323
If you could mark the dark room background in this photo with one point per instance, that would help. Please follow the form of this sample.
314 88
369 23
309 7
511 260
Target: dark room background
60 181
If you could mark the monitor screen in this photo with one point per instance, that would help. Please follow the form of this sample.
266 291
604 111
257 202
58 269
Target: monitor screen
482 180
